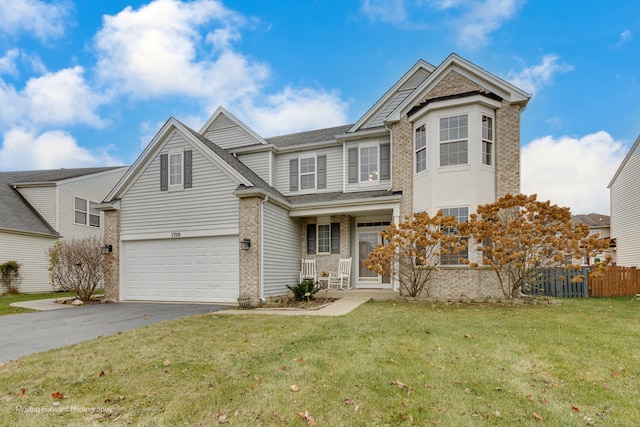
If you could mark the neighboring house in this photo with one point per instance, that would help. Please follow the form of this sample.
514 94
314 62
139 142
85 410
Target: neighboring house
39 207
625 208
445 137
598 225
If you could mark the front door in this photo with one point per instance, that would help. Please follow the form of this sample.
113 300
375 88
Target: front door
367 240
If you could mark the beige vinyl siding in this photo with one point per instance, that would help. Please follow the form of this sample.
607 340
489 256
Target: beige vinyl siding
43 199
334 170
625 206
208 205
282 246
232 136
31 253
93 188
259 163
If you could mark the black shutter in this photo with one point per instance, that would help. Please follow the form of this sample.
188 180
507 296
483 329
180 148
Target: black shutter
187 169
311 239
164 172
385 161
335 237
293 175
322 171
353 165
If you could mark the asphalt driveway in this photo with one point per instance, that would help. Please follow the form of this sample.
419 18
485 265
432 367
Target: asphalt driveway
28 333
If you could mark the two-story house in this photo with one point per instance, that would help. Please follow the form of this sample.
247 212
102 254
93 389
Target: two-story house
441 138
39 207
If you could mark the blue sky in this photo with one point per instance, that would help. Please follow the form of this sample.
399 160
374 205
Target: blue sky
88 83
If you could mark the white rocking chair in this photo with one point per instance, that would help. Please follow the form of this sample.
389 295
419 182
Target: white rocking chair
341 279
308 270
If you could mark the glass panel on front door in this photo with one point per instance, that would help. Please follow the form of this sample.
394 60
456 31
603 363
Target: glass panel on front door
366 242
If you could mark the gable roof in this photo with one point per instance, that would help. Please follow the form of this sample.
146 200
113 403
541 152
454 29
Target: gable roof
634 147
245 177
493 84
16 213
396 95
593 220
226 118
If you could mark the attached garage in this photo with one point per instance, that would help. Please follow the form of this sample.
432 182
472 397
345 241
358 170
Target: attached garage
199 269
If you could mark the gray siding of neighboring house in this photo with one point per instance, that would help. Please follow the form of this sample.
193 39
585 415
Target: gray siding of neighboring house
625 206
32 253
93 188
209 207
43 199
334 170
259 163
282 243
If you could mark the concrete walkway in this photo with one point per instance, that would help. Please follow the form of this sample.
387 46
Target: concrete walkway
344 305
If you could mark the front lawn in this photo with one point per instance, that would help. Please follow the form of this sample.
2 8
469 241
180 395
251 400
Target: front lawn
385 363
5 300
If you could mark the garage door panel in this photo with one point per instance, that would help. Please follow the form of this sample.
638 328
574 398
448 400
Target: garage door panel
194 269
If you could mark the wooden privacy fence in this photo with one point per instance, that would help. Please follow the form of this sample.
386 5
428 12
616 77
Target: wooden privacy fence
615 282
559 283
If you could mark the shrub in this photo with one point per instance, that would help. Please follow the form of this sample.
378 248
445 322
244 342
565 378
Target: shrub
77 266
10 277
300 290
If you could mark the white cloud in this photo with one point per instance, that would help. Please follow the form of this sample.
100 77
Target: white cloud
8 62
24 150
572 172
295 110
392 11
534 78
625 37
480 19
42 19
63 97
159 50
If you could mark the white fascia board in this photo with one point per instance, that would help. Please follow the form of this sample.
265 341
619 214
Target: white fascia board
222 111
469 70
387 96
93 175
345 207
259 192
182 233
108 206
448 103
624 162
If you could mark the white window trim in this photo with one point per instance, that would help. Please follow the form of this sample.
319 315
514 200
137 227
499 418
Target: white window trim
180 186
318 225
491 140
377 171
415 150
87 213
315 172
449 141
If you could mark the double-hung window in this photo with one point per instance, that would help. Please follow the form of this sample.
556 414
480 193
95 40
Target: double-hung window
175 170
487 140
369 166
323 238
307 173
461 215
85 212
454 134
421 148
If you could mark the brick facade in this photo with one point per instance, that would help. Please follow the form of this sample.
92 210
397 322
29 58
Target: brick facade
329 262
112 261
249 273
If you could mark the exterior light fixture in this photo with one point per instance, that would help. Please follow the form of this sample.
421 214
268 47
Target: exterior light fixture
245 244
107 249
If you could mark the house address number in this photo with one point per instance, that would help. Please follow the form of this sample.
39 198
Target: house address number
175 235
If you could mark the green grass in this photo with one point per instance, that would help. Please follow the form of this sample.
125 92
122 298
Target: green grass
5 300
383 364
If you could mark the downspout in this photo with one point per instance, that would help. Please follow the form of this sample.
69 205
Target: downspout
266 198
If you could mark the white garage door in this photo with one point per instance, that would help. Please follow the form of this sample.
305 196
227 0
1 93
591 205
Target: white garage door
203 269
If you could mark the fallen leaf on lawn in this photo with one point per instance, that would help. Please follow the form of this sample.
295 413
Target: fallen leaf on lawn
167 362
101 374
347 401
21 392
392 361
498 413
222 418
538 417
576 409
257 378
57 395
401 385
295 387
615 374
468 336
308 418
